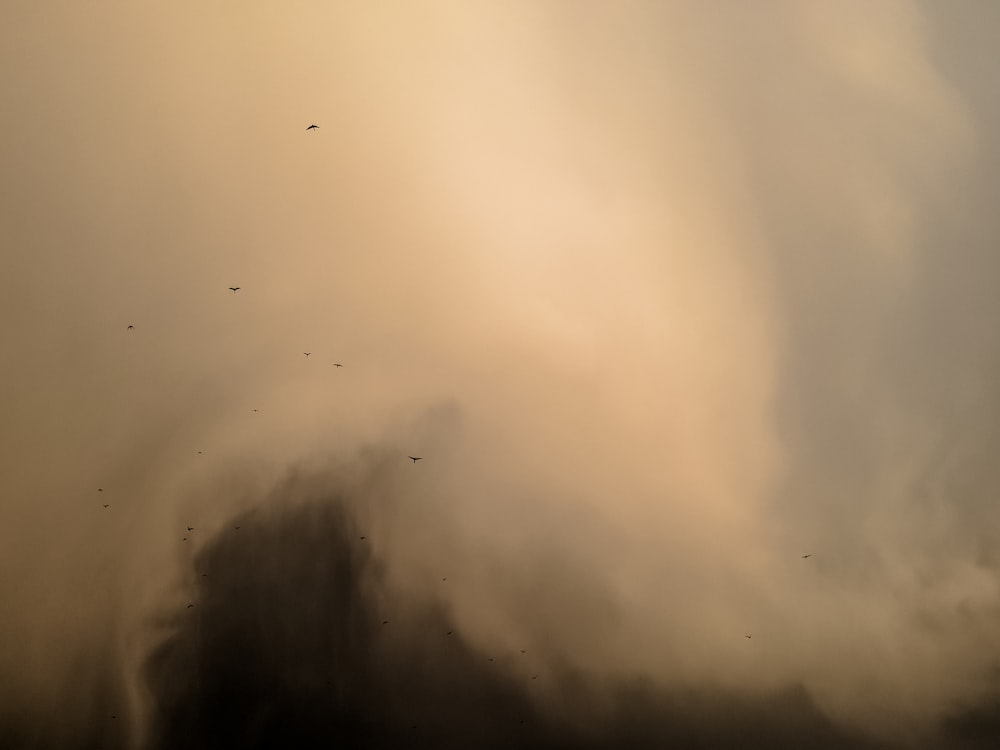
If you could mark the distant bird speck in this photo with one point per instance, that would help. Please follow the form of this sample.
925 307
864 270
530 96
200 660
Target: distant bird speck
100 489
362 538
490 659
130 328
235 289
190 528
337 364
448 633
313 127
415 458
190 606
746 636
385 622
307 353
524 651
805 556
236 527
199 453
106 505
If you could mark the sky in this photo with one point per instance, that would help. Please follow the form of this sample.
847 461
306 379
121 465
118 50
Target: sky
666 296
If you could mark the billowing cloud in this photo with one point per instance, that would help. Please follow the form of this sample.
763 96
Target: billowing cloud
667 296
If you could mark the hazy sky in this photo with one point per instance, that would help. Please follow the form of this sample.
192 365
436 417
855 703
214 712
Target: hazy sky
665 294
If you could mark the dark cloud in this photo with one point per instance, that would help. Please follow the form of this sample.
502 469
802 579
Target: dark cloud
288 645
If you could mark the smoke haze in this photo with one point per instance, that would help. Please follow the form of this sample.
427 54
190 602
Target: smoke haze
665 295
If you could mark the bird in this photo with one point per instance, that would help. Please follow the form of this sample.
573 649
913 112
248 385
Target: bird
199 453
184 539
449 632
190 606
130 328
337 364
415 458
255 410
236 527
307 353
313 127
747 636
235 289
106 505
534 676
524 651
444 579
805 556
490 659
190 528
204 575
100 489
362 538
385 622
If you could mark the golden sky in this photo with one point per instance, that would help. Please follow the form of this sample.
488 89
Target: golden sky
667 295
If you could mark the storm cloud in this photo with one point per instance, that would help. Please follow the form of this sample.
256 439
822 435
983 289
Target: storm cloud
667 296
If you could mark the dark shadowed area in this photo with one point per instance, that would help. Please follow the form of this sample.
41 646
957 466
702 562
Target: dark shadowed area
293 640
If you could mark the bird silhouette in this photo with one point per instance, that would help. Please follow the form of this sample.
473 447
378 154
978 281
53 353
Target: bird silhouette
313 127
490 659
255 410
106 505
385 622
190 528
362 538
337 364
199 453
524 651
100 489
746 636
235 289
805 556
415 458
130 328
448 633
236 527
190 606
307 353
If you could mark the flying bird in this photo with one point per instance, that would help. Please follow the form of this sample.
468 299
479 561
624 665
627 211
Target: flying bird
415 458
746 636
190 606
235 289
190 528
307 353
337 364
385 622
106 505
100 489
130 328
805 556
313 127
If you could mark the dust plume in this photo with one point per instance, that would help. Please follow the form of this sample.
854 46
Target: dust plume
688 310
